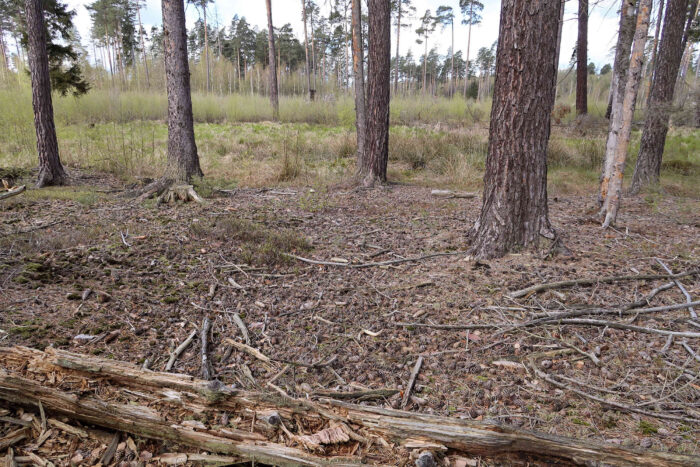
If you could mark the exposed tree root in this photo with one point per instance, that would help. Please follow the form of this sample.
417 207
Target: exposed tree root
167 190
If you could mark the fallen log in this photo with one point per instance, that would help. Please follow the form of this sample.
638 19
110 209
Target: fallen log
12 192
26 378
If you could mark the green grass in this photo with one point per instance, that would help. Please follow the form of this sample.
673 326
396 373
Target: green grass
433 142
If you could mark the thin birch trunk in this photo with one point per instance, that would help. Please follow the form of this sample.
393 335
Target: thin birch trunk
622 118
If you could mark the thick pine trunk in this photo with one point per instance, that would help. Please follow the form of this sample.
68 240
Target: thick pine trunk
514 212
651 150
50 169
183 161
274 99
582 59
622 54
621 120
372 167
359 73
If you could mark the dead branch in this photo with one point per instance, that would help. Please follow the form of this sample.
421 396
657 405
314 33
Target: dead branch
598 280
411 382
204 336
357 395
241 325
628 327
248 349
680 287
369 265
690 351
13 192
172 390
181 348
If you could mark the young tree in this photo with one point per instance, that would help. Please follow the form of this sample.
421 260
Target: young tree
372 168
446 17
183 161
651 150
514 212
621 120
359 73
306 51
582 59
274 99
471 10
427 27
401 8
50 169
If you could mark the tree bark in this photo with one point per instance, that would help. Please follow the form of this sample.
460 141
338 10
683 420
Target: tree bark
306 51
621 120
622 54
359 73
372 167
582 59
655 48
452 58
143 47
469 43
651 149
206 45
274 98
514 212
183 161
50 168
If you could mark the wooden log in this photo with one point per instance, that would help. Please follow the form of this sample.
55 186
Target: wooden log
13 192
404 428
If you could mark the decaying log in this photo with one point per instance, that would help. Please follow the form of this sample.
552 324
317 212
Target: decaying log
170 396
12 192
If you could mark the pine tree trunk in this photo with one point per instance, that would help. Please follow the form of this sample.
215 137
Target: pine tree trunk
655 49
582 59
306 51
425 63
556 58
372 168
651 150
206 45
143 48
359 73
452 66
469 43
622 54
621 119
398 56
183 162
274 99
50 169
514 212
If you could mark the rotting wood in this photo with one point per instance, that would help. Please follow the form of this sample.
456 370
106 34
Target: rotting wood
13 192
596 280
370 394
241 325
369 265
204 336
188 393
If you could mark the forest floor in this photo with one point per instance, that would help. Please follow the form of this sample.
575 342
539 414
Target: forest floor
156 272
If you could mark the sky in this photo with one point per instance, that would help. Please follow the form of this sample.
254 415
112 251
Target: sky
602 27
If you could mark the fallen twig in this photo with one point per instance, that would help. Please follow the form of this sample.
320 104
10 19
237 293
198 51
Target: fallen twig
680 287
628 327
369 265
13 192
181 348
597 280
204 335
248 349
411 382
357 395
690 351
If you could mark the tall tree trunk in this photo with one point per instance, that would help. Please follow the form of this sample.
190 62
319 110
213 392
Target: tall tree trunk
50 169
359 73
469 43
558 53
143 48
274 99
313 50
582 59
183 161
514 212
206 45
655 49
306 51
452 65
651 149
5 65
372 168
621 119
398 56
347 46
109 57
425 63
622 54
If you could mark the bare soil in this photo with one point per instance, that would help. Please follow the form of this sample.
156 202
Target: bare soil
156 272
